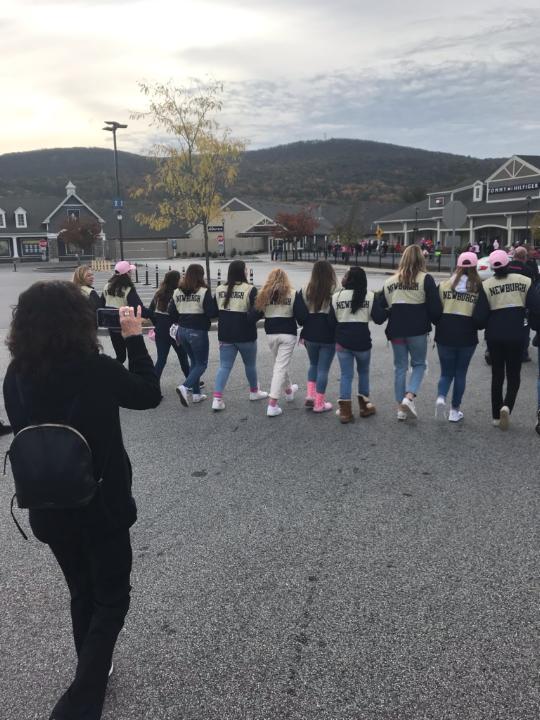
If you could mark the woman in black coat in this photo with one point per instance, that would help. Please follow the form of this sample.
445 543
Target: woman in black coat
58 376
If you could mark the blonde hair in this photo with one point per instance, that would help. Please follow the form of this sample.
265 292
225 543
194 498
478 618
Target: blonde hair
79 275
412 262
275 290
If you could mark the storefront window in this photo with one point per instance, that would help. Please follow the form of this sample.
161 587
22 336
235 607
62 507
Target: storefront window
30 247
5 248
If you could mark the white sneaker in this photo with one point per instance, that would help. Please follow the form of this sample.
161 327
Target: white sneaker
183 394
259 395
199 398
273 411
496 422
401 415
440 409
505 417
407 406
289 397
218 404
455 415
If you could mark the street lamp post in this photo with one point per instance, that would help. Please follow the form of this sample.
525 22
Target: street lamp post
529 198
113 126
415 231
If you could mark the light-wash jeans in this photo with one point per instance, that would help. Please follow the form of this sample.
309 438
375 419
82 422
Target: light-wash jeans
416 348
227 356
320 358
454 365
195 344
346 362
282 347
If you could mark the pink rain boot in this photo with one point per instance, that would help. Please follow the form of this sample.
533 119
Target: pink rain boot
310 395
320 404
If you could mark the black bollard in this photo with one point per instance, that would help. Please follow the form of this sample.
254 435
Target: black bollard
251 276
170 268
183 271
157 276
219 276
14 266
146 281
136 273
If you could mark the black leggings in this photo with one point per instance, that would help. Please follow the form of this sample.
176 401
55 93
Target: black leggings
505 359
97 573
119 345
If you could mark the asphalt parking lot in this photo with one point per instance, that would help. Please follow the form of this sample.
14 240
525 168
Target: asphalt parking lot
295 568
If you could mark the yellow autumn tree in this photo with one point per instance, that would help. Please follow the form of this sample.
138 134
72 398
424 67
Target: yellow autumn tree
196 161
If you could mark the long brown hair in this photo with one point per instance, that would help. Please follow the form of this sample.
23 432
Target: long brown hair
412 262
165 292
53 325
235 274
474 283
193 279
321 285
275 290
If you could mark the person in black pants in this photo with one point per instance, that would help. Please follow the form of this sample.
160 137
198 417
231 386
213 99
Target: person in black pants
159 314
57 374
120 291
502 303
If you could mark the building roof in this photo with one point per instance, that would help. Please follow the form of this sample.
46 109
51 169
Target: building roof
531 159
37 208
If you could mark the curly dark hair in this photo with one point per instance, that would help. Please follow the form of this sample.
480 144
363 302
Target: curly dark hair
53 324
118 283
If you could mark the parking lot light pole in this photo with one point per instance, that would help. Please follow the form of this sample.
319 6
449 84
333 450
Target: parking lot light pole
113 126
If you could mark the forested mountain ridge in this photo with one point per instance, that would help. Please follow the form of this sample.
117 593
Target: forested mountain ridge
331 171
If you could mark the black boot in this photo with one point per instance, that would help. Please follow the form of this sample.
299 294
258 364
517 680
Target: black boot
5 429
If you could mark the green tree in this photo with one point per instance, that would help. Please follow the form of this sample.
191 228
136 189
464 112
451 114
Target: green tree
196 161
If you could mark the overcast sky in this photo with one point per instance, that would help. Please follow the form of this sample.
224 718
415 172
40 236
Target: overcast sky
460 77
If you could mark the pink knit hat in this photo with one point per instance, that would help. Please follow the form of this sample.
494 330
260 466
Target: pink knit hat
498 259
123 267
467 259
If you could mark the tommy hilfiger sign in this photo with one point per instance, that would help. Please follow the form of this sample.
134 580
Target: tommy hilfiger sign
514 188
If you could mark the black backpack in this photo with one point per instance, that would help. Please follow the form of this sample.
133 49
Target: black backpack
52 467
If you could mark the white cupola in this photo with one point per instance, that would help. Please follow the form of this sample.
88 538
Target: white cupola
70 189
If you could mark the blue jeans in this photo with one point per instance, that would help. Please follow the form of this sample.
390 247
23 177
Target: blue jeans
227 356
416 347
346 362
195 343
454 365
320 358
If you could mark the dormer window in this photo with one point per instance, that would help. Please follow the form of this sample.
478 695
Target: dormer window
20 218
2 218
478 192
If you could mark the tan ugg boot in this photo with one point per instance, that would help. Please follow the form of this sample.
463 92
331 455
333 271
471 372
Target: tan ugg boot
367 408
345 411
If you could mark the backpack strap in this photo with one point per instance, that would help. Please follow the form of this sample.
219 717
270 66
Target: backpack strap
19 528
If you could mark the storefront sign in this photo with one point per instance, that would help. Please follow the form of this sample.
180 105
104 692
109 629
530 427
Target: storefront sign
521 187
215 228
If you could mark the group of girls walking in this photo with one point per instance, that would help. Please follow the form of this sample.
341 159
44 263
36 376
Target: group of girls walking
336 320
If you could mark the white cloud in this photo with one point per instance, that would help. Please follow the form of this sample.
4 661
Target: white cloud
294 70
